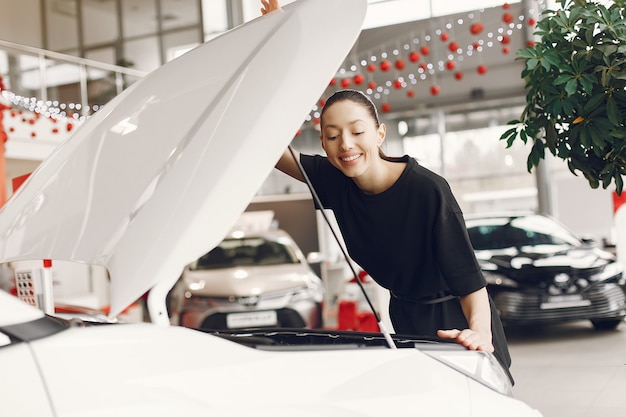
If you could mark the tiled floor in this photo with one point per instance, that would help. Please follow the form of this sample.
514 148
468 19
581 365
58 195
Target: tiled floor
570 370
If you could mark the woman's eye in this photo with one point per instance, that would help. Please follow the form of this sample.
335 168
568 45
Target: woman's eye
358 133
331 137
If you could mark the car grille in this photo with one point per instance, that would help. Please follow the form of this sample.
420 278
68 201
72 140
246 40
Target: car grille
607 301
286 318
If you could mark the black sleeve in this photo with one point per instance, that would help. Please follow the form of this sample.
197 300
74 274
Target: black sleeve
323 176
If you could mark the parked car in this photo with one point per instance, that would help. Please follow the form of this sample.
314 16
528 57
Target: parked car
258 279
155 180
539 272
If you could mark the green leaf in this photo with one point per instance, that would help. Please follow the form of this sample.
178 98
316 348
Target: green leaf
510 132
613 112
532 63
523 136
570 87
619 183
562 79
594 102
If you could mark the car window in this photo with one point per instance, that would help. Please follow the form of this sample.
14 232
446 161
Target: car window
246 251
520 231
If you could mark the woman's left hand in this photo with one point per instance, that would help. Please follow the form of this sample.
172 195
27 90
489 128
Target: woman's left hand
469 338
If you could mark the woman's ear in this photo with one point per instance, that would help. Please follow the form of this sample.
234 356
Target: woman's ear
382 133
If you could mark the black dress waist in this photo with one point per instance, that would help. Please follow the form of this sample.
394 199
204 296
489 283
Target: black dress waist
438 297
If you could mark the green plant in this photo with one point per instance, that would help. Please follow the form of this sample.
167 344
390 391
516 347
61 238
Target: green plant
575 78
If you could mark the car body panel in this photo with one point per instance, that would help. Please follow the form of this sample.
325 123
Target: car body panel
139 369
259 280
223 112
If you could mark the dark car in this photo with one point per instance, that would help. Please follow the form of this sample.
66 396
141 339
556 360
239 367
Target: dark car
539 272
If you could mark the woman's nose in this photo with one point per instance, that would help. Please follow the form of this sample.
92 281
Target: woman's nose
346 143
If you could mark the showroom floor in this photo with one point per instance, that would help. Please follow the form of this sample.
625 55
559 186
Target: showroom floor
570 370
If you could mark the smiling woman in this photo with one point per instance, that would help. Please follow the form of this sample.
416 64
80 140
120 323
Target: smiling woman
401 224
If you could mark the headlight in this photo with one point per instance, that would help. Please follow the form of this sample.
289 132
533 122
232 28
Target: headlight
611 270
480 366
496 279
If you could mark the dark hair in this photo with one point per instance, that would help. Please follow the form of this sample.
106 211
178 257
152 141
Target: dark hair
355 96
358 97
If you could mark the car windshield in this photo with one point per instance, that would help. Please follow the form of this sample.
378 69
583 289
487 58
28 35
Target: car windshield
246 251
501 233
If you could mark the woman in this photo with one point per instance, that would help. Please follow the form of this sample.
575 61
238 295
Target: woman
402 224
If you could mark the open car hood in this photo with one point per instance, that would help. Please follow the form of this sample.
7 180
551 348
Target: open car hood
157 177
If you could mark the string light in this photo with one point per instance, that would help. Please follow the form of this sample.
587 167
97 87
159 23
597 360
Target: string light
504 22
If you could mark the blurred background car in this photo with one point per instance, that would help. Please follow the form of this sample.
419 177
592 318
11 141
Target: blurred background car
251 279
539 272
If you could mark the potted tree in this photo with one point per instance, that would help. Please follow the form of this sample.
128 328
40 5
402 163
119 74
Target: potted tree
575 75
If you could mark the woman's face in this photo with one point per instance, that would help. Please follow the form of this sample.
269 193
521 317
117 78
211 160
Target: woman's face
351 138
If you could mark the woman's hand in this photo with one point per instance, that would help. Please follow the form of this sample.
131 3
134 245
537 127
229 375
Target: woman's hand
269 6
477 311
469 338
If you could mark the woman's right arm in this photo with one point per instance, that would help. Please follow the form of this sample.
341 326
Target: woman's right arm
288 164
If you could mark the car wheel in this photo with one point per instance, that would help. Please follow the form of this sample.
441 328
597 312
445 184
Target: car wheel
610 324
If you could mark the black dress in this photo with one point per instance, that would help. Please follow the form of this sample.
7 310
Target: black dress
411 239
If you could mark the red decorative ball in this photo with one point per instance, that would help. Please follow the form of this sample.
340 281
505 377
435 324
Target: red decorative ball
410 93
69 127
476 45
371 85
345 82
444 37
397 84
371 68
450 65
453 46
33 134
476 28
386 107
423 67
322 102
531 22
11 129
358 79
298 132
316 121
458 75
481 69
332 82
414 56
385 65
55 130
434 90
425 50
31 121
506 6
530 43
399 64
507 18
505 40
506 50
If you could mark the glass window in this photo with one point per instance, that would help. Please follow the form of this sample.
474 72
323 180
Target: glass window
100 23
62 26
214 18
139 17
143 53
181 13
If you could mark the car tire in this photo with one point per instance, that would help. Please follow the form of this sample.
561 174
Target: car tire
610 324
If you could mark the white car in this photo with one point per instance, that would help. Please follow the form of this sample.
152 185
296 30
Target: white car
137 187
251 279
